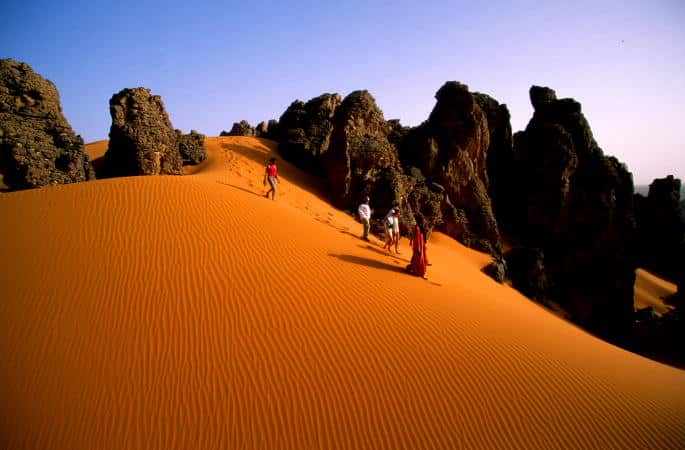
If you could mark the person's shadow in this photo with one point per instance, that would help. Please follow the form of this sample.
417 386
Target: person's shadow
368 262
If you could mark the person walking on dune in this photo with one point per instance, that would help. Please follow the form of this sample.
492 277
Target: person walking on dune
418 245
364 212
396 230
392 229
271 175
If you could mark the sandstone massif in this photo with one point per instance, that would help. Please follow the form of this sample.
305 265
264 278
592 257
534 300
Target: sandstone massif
574 205
38 147
565 208
142 140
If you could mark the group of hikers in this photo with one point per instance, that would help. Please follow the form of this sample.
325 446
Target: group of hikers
391 225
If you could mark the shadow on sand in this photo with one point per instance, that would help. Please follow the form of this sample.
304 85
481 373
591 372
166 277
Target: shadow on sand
242 189
369 262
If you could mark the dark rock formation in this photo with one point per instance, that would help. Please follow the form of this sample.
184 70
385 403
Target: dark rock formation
242 128
450 149
397 133
497 269
304 131
37 145
262 129
191 146
661 229
527 272
499 155
576 206
360 160
142 140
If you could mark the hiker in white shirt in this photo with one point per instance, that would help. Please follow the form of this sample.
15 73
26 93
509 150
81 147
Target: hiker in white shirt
364 212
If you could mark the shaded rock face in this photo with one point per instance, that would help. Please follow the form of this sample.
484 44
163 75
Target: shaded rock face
527 272
661 229
499 154
360 160
576 206
37 145
191 146
450 149
142 140
242 128
304 131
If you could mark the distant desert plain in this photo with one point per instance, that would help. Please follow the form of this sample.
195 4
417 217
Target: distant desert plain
168 312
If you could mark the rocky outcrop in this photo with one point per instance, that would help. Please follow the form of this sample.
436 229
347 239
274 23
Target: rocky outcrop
576 205
304 131
527 272
242 128
499 154
191 146
37 145
142 140
360 160
661 229
262 129
450 149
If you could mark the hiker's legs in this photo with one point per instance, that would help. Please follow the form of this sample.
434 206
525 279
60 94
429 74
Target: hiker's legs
273 183
367 227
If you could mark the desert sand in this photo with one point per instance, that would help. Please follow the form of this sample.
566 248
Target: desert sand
651 290
192 313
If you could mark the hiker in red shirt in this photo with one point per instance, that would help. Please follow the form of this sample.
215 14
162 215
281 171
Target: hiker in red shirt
271 174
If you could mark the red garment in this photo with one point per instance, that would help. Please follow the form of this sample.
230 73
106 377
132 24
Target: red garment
271 170
418 257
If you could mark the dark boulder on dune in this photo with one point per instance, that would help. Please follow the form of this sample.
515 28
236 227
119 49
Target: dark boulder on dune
450 149
576 205
242 128
304 131
661 229
142 140
527 272
191 146
37 145
360 160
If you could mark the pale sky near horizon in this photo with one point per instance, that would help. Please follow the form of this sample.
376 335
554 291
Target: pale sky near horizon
215 63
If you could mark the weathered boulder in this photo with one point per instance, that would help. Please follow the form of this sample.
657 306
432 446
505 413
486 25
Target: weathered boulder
661 230
527 272
262 129
450 149
576 206
304 131
142 140
360 160
242 128
37 145
191 146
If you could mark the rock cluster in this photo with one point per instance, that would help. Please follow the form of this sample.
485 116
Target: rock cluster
37 145
575 205
191 146
661 230
360 160
450 151
142 140
304 131
242 128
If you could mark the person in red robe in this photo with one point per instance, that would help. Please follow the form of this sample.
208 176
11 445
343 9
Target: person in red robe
418 244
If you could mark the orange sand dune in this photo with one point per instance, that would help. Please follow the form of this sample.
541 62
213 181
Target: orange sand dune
192 313
651 290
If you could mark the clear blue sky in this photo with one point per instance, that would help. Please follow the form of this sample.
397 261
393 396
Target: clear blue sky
216 63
